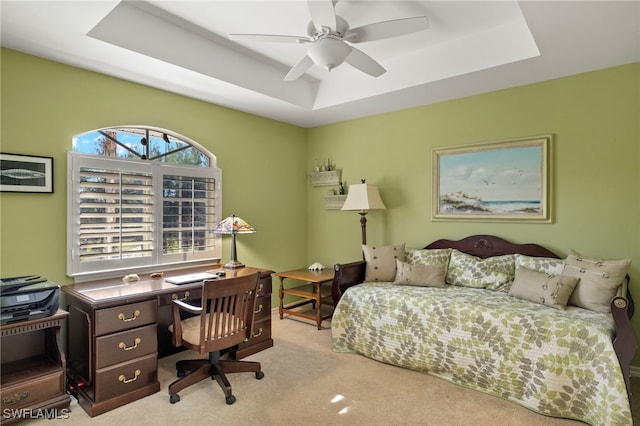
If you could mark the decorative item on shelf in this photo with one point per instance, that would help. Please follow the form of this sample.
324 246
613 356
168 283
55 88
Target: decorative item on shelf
334 202
325 178
363 197
231 226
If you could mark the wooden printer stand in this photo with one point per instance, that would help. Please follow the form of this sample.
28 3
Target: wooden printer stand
33 379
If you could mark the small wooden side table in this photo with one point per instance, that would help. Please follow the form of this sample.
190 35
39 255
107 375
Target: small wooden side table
310 293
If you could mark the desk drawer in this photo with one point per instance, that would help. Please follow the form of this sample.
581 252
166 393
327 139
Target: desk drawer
263 308
32 391
126 345
126 377
189 296
261 331
125 317
264 286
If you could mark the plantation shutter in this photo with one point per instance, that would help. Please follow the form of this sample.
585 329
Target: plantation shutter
188 214
116 214
126 213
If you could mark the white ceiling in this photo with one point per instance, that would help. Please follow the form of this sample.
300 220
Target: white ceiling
470 47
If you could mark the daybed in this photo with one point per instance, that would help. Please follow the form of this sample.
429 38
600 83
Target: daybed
503 322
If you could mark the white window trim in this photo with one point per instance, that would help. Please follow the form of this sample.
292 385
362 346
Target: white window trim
158 262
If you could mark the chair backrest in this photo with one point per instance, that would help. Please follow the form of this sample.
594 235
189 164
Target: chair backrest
228 311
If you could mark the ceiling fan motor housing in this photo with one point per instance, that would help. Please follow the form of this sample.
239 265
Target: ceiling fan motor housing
342 27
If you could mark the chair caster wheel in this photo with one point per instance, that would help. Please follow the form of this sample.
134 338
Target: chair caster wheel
181 373
230 400
174 398
259 375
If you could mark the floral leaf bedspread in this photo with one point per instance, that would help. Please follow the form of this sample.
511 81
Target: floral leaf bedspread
556 362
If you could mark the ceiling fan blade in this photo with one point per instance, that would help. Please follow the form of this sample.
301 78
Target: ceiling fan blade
322 14
269 38
299 68
365 63
387 29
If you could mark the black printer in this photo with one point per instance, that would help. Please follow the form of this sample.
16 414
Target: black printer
26 298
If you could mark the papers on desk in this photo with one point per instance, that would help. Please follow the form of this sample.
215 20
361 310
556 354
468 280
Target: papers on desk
190 278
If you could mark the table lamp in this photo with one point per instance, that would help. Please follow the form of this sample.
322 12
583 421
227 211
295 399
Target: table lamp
363 197
233 225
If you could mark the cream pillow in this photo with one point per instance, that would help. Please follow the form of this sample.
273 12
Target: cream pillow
421 275
381 262
547 289
599 280
494 273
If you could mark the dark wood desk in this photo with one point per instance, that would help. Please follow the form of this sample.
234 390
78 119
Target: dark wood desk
310 294
33 370
118 330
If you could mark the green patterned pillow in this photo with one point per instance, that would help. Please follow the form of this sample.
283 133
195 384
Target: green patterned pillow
548 265
381 262
428 257
539 287
421 275
493 273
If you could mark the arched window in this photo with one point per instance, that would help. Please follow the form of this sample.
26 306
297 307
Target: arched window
140 198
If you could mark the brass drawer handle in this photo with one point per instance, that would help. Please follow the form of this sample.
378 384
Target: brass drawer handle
259 309
124 347
14 399
124 380
259 333
121 316
260 287
175 296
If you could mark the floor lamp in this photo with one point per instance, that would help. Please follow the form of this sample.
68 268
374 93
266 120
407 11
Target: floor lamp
233 225
363 197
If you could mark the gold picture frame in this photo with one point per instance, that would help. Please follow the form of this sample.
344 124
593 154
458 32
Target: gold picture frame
501 181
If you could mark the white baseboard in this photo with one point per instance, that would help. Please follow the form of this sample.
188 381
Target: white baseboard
635 371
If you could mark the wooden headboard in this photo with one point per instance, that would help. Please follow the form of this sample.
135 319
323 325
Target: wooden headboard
484 246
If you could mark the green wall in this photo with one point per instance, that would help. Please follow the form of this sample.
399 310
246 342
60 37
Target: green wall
595 120
44 104
594 117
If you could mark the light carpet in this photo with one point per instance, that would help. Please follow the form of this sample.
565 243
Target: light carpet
306 383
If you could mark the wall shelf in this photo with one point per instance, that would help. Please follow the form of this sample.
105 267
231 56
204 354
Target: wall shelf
325 178
334 202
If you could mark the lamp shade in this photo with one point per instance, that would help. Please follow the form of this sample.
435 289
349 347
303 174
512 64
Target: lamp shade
363 197
233 225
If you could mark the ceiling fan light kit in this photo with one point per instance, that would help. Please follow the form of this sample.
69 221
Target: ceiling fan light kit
330 38
328 53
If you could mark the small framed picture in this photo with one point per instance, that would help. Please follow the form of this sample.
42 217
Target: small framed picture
25 173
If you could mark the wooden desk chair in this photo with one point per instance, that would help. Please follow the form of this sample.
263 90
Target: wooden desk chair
223 321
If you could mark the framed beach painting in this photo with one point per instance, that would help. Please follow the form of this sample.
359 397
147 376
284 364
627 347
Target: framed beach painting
498 181
25 173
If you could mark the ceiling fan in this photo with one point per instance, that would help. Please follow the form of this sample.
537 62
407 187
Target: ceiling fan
330 39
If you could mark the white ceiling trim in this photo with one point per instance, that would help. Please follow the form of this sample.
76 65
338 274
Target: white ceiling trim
470 47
